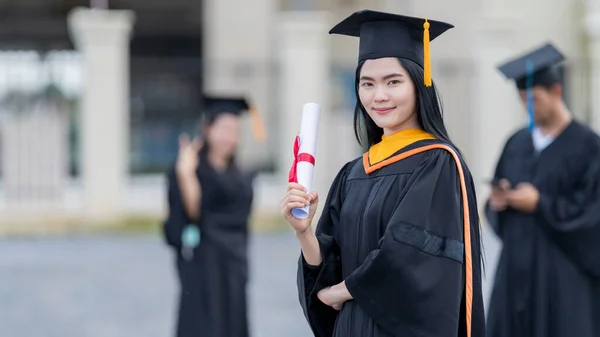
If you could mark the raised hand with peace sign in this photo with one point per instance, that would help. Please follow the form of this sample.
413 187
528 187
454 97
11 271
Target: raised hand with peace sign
187 158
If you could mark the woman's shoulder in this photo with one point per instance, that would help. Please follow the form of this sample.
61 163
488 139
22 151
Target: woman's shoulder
352 163
436 150
445 153
449 161
348 167
418 154
435 146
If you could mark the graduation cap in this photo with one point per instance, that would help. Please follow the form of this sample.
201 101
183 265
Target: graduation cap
391 35
537 67
215 106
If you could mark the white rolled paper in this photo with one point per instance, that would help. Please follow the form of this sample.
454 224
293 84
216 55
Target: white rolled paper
309 129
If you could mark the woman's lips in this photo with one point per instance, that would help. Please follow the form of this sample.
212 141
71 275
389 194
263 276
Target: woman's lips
383 111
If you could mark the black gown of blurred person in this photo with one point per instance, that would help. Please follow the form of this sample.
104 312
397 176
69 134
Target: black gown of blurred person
547 279
213 278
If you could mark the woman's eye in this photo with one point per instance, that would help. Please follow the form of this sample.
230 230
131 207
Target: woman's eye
392 82
366 84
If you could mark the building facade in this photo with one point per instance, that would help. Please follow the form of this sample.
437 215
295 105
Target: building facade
278 54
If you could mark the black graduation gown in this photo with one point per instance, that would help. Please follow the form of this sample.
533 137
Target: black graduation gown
396 237
546 282
213 282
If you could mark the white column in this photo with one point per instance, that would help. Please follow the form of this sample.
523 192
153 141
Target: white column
237 57
102 37
304 77
497 111
592 22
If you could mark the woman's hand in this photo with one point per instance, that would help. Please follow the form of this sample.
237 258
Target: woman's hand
297 197
187 158
335 296
498 197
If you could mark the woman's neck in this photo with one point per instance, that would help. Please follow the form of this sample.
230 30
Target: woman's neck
220 163
405 134
408 125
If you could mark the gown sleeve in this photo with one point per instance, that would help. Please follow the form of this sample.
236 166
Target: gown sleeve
495 218
573 220
562 212
581 241
177 218
414 283
311 279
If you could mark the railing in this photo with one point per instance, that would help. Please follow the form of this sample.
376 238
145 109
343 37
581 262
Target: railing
37 95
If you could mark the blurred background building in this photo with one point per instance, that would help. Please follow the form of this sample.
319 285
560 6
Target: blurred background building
92 101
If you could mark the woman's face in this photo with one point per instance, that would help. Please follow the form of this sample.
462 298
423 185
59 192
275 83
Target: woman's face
223 135
387 92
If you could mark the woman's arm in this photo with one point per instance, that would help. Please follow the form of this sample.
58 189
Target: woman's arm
191 193
310 247
187 179
319 265
296 197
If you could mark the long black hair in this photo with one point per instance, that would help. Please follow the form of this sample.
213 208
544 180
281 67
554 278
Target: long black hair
428 105
430 118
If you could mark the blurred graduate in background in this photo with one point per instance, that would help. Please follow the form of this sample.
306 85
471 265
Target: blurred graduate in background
210 200
545 207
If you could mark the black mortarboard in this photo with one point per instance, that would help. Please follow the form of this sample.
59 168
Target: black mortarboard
235 105
391 35
219 105
537 67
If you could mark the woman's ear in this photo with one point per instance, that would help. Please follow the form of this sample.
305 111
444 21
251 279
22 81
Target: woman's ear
557 90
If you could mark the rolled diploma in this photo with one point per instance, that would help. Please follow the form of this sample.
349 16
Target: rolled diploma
309 129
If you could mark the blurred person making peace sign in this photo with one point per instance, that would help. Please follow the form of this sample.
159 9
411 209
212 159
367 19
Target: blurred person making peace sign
210 200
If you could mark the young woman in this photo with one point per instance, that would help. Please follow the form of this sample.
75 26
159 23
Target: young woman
210 200
397 248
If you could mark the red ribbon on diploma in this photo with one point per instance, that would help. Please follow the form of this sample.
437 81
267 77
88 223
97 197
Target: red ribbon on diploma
299 157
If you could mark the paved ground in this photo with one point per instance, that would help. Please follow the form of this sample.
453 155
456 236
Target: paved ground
105 286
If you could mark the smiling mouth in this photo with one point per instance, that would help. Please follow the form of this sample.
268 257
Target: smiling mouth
383 110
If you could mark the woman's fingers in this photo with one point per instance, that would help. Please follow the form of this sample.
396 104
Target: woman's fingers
294 194
290 206
184 140
197 144
298 193
299 198
296 186
286 210
294 200
295 197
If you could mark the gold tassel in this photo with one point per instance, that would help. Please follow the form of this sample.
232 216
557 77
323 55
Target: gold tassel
426 55
258 128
